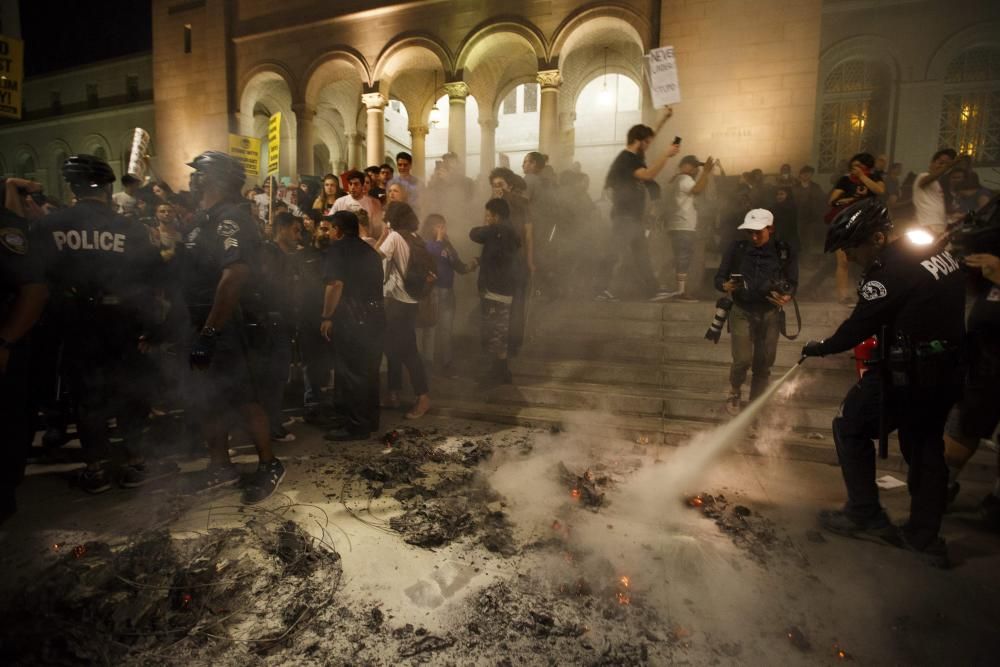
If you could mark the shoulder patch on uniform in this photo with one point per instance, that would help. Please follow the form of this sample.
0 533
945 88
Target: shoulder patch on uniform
227 228
14 240
873 290
994 294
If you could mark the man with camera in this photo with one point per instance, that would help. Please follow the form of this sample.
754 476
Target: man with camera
912 295
759 275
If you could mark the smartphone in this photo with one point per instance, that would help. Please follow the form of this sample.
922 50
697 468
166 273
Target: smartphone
677 141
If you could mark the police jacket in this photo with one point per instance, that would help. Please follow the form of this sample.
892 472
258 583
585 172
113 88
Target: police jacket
92 255
761 268
916 291
19 261
222 236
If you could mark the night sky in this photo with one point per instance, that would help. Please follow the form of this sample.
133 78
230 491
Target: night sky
58 35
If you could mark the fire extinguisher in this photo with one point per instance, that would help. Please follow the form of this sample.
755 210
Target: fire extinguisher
864 353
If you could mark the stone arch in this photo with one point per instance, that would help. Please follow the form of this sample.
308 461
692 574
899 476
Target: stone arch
56 153
93 144
333 65
523 29
570 97
268 70
977 36
26 163
575 27
403 49
499 59
265 93
865 47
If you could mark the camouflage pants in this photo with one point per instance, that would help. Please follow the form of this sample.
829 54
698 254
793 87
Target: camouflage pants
495 327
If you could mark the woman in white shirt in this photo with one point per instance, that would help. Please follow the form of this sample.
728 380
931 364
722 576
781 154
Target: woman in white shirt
401 308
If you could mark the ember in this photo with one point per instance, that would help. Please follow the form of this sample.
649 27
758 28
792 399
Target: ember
575 494
624 599
185 600
79 551
695 501
841 653
390 438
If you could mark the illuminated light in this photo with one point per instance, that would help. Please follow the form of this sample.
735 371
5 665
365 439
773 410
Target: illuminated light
606 98
920 237
435 117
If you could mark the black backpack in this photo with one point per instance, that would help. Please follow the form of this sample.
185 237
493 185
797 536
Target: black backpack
420 274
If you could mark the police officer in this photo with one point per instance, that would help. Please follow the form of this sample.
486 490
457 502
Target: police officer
977 414
218 254
354 319
915 291
22 298
100 268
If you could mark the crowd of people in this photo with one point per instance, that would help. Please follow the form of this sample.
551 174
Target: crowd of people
216 299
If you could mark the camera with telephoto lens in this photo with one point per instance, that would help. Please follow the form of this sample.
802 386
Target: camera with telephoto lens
781 286
722 308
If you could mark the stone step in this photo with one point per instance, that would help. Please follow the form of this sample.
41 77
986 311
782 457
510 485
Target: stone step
673 432
651 330
813 313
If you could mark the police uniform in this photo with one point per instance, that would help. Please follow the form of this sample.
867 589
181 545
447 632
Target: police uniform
19 266
918 293
223 235
315 351
358 332
101 268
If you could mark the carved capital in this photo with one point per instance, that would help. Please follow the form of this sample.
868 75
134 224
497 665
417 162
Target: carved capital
550 78
374 101
488 123
457 90
418 130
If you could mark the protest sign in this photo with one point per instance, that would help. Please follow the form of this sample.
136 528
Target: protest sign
247 151
273 143
11 76
661 74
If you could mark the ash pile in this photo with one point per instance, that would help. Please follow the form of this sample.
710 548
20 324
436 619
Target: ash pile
235 595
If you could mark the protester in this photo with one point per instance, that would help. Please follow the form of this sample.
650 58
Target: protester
683 224
625 179
373 184
928 194
507 185
397 244
810 205
125 201
396 192
496 285
316 352
862 181
356 199
436 340
353 319
969 195
410 183
761 275
331 193
786 224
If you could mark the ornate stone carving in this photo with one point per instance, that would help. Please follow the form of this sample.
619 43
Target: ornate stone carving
374 100
457 90
418 130
550 78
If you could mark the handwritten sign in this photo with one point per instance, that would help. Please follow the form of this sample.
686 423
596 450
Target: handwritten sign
247 151
11 76
273 143
661 74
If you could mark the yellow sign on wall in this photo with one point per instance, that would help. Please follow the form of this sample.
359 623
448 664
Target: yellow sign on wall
273 143
11 76
247 151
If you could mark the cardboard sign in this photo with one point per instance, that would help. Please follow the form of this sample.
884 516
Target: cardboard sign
273 143
661 74
11 76
247 151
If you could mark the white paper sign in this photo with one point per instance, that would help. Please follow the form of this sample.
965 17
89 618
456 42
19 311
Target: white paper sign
661 74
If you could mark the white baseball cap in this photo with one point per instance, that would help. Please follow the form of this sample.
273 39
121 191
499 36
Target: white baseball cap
757 219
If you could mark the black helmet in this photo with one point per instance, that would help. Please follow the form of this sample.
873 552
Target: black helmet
217 165
979 231
87 172
856 224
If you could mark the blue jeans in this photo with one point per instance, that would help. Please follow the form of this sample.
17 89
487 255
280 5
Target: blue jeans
435 342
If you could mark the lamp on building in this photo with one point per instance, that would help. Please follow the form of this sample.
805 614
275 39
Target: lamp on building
605 97
435 117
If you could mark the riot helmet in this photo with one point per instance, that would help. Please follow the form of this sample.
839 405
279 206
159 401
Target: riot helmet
215 167
87 175
856 224
979 231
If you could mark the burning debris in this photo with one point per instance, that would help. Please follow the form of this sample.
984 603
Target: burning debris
252 587
755 534
583 487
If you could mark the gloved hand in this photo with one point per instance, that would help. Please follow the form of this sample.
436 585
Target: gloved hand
813 349
202 351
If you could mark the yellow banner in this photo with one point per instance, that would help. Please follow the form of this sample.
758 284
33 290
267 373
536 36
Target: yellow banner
11 76
273 143
247 151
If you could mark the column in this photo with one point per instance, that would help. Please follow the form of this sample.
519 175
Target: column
457 91
304 139
548 116
375 104
487 147
353 141
567 140
418 139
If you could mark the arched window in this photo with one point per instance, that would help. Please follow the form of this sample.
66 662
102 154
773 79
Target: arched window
855 112
970 110
25 167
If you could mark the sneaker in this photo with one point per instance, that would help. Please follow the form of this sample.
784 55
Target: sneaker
606 295
279 434
733 404
934 554
288 421
133 475
684 297
662 295
989 509
875 529
212 477
264 482
94 481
